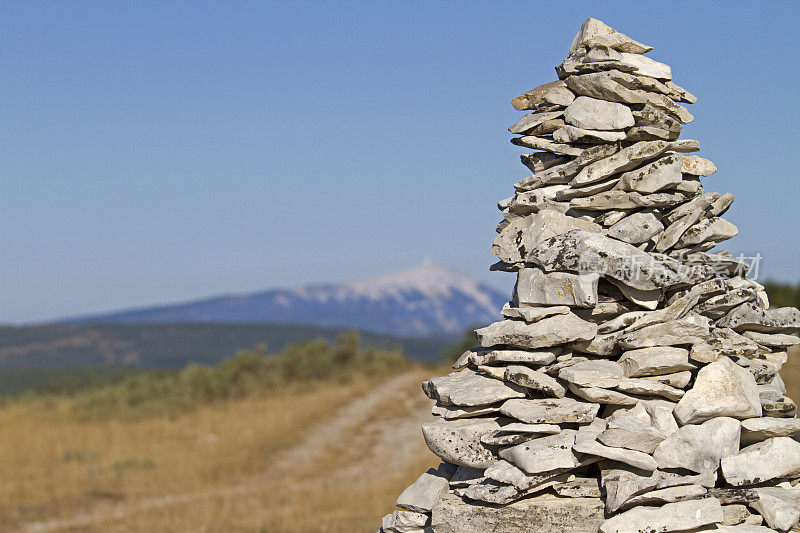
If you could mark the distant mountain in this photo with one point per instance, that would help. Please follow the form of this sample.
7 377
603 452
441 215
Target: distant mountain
426 300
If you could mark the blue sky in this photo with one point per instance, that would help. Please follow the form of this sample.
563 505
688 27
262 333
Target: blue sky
162 151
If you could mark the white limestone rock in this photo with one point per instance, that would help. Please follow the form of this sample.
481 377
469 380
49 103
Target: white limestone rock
773 340
540 161
724 342
541 143
620 322
699 448
678 516
716 306
450 412
533 314
544 513
571 134
605 345
535 287
547 332
424 493
744 528
636 228
535 380
655 176
675 332
655 361
751 317
778 457
626 159
667 495
721 388
637 429
553 95
459 441
465 476
550 411
697 166
524 233
649 388
779 507
647 67
593 114
679 380
595 373
544 454
595 32
508 473
532 120
405 522
735 514
602 396
511 356
644 298
580 487
521 427
470 389
603 85
760 429
631 457
707 230
586 252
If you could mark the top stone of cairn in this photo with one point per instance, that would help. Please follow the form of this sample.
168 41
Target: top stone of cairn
633 383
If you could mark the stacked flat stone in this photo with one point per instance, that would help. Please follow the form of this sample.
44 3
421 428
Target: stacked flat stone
633 384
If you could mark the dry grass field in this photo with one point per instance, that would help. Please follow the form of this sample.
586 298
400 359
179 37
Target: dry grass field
333 458
790 373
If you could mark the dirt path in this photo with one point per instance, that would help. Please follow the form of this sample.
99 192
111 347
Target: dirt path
369 433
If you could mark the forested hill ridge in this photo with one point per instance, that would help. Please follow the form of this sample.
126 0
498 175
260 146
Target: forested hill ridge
175 345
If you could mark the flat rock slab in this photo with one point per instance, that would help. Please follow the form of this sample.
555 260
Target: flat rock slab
774 458
404 522
544 454
655 361
587 252
679 516
750 316
593 114
470 389
535 287
459 441
550 411
544 514
759 429
533 379
423 494
674 332
547 332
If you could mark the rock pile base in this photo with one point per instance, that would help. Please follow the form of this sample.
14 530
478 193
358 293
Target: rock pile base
633 384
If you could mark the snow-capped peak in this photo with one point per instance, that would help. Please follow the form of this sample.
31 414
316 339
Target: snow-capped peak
430 279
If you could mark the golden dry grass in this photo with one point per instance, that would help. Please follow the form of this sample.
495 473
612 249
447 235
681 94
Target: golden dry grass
332 458
324 459
790 373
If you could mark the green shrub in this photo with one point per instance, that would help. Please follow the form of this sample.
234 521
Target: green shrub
249 372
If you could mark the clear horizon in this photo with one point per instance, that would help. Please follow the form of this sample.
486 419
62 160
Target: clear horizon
164 152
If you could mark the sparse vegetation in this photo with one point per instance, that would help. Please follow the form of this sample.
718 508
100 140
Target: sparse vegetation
783 294
250 373
450 355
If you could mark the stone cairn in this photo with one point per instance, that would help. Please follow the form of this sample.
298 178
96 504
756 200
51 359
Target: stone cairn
633 384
